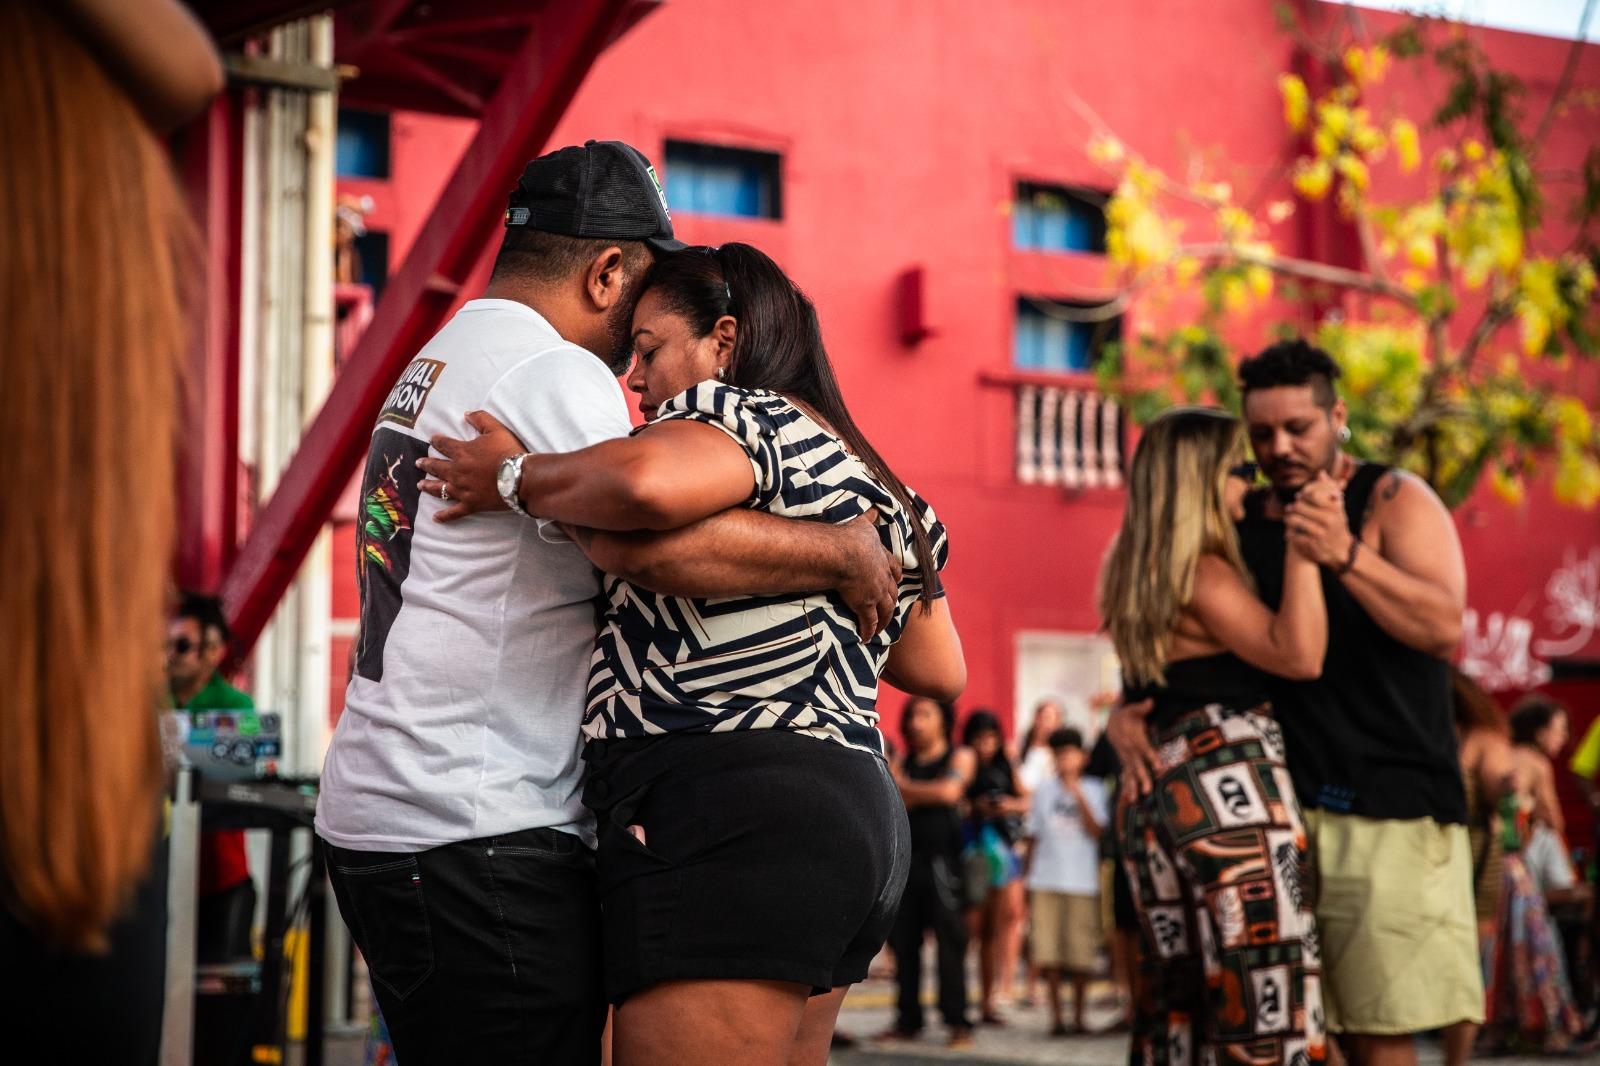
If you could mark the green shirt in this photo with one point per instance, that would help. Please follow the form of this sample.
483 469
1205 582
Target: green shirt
218 695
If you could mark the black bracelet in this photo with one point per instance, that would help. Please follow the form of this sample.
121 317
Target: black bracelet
1350 560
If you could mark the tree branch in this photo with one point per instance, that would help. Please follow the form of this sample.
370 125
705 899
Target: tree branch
1369 247
1429 406
1339 277
1574 53
1494 316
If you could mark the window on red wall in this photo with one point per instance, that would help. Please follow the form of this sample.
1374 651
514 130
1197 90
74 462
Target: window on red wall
1052 335
361 146
710 179
1058 218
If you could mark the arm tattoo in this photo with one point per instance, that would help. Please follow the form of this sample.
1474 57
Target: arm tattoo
1387 490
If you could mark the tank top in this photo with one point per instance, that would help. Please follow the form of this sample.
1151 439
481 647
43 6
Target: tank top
1198 682
935 829
1373 736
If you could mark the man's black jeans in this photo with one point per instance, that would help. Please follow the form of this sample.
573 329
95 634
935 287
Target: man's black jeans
485 951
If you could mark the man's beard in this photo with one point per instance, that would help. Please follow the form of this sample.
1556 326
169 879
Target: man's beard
1287 494
619 333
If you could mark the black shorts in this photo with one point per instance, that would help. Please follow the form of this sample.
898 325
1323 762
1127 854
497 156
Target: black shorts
767 856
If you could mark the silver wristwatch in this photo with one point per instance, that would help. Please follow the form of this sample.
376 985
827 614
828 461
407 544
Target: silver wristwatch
509 480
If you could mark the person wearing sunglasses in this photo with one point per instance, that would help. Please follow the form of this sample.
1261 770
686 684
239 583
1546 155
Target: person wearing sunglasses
197 643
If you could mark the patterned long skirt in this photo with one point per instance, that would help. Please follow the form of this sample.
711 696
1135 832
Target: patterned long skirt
1216 856
1525 971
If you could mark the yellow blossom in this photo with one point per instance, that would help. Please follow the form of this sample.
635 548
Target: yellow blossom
1366 66
1577 479
1296 101
1539 306
1234 222
1235 295
1353 170
1406 144
1572 420
1507 486
1259 279
1312 178
1364 136
1422 251
1105 150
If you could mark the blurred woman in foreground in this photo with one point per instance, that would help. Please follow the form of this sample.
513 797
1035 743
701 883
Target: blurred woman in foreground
93 237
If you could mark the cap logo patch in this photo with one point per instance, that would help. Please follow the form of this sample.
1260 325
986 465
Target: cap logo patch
518 216
659 191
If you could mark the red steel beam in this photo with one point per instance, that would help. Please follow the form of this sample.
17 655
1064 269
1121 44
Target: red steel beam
561 46
208 450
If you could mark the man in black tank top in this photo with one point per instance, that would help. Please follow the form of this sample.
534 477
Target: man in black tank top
1370 744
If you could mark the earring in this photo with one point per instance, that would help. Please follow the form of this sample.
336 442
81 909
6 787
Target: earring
1344 434
720 373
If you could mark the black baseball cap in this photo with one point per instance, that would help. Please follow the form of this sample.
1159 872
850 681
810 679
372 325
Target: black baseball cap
604 189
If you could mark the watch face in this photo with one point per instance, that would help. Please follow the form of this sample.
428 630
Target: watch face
505 482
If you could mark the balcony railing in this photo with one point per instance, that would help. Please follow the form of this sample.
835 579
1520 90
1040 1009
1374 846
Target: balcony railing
1068 435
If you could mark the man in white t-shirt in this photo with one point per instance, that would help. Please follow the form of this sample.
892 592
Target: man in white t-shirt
458 848
1064 823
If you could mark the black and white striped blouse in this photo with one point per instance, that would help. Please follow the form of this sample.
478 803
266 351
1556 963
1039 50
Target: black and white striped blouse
666 664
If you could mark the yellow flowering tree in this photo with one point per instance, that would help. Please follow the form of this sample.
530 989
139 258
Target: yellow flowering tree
1455 322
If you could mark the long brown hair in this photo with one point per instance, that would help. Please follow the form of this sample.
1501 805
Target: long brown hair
1474 708
1176 512
92 232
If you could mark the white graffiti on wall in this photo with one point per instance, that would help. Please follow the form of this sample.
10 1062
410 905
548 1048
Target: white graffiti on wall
1572 604
1498 654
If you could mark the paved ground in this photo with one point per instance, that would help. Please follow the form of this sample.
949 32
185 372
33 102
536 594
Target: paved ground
1023 1041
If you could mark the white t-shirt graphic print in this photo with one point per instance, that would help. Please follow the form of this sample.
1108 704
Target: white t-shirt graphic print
462 715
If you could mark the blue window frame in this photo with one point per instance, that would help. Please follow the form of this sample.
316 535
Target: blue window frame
1054 342
708 179
372 253
361 149
1055 218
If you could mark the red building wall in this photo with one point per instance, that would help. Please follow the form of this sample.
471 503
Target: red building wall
903 128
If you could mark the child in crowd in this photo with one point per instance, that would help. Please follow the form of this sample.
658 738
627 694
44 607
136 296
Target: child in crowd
1063 878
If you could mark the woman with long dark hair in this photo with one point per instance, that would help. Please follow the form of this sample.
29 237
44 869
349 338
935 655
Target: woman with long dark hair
996 805
932 777
753 846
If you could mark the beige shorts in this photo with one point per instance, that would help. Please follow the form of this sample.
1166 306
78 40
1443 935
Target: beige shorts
1398 929
1064 931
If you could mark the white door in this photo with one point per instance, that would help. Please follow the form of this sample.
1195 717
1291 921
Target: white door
1079 670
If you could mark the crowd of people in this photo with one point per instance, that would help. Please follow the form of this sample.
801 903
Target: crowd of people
1006 858
611 778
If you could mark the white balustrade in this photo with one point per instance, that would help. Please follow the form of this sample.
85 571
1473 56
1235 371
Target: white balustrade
1110 443
1068 437
1028 434
1050 437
